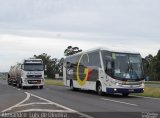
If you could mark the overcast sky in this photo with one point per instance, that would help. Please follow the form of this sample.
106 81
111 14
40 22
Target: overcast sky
29 27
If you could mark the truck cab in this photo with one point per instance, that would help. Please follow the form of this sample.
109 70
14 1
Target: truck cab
32 73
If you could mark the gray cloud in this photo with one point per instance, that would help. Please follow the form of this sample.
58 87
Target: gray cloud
125 17
126 23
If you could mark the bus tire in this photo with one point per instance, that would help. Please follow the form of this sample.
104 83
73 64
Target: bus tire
99 89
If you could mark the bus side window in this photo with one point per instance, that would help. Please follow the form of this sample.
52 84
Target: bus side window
109 67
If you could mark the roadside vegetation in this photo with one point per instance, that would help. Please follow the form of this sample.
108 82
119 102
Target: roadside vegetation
54 82
4 78
55 65
150 92
152 82
152 67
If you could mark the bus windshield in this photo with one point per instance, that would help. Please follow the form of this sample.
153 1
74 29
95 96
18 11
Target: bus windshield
33 67
127 66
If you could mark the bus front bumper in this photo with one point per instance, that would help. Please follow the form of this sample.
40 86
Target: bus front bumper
124 90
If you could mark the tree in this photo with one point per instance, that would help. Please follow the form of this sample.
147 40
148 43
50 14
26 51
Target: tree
50 63
60 66
71 50
54 65
148 65
156 66
152 68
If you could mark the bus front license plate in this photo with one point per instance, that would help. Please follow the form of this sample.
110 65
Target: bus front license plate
131 90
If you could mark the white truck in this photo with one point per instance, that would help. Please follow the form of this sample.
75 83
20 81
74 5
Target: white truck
29 73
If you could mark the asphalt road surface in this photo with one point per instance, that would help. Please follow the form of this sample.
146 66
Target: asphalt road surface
59 101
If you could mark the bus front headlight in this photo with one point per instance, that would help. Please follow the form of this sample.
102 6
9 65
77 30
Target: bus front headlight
142 84
115 89
117 84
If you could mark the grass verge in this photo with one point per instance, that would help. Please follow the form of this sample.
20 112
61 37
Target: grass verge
152 82
150 92
54 82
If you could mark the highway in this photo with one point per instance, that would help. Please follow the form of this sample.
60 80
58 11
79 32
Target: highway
82 104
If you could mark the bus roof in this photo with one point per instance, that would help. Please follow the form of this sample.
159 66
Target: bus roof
119 49
111 49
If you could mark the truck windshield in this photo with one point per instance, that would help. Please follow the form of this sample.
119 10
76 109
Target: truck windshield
127 66
33 67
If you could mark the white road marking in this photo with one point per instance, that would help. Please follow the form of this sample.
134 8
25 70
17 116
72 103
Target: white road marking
27 98
45 110
20 104
51 102
146 97
33 103
70 110
119 102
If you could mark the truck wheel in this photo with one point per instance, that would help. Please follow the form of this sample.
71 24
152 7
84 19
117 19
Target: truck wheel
8 82
18 84
23 87
12 83
41 87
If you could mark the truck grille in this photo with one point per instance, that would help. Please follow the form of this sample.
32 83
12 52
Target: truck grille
34 76
34 81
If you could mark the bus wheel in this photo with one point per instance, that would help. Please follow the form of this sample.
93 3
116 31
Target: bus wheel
125 94
99 89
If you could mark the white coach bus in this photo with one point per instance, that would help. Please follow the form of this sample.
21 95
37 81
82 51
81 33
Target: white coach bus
105 71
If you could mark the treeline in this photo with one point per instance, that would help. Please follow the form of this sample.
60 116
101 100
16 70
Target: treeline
55 65
152 67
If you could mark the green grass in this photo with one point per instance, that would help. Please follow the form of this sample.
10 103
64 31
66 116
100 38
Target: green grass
150 92
54 82
4 78
152 82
